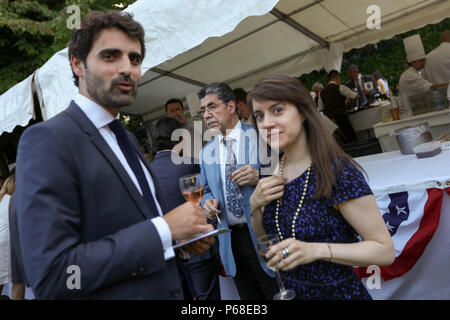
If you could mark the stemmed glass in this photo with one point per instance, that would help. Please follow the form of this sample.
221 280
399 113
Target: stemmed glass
192 187
263 244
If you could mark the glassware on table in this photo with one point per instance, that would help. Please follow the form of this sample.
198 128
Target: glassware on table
394 109
192 187
385 114
263 244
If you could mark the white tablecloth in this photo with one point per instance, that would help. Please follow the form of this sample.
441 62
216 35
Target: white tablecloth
365 119
391 172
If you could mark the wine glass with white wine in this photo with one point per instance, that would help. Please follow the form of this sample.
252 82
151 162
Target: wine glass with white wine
263 244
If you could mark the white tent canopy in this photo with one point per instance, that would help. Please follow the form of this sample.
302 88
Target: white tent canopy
194 42
294 38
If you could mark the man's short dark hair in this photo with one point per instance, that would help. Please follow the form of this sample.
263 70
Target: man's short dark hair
174 100
240 95
223 91
333 74
82 39
162 134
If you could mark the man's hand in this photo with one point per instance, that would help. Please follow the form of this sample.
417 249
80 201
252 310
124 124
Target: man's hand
200 246
246 175
187 221
211 208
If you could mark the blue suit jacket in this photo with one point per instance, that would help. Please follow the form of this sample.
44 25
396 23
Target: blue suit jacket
210 169
77 206
167 174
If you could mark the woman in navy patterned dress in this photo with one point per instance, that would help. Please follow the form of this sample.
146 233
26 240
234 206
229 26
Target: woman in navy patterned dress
317 201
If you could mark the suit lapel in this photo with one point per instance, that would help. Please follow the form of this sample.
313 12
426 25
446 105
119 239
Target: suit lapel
87 126
155 182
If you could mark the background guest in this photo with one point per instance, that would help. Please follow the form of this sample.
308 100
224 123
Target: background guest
243 109
364 85
6 191
332 101
200 273
383 85
317 88
228 173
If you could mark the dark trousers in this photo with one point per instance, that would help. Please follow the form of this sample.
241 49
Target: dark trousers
203 278
252 282
346 127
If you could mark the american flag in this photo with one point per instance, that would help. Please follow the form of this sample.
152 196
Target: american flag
412 219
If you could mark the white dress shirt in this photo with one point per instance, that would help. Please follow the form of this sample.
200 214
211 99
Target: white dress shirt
101 118
5 247
437 65
234 134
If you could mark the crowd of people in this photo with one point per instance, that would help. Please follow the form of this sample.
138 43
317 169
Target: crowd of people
90 218
422 74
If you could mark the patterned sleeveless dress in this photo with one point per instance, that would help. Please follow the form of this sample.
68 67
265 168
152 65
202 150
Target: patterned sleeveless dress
318 221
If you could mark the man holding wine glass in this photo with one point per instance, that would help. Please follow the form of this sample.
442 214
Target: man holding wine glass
87 202
230 170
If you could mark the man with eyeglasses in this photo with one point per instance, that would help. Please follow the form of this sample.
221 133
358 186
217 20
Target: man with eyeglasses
231 171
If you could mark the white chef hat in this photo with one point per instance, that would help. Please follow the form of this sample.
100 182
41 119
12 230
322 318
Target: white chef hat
414 48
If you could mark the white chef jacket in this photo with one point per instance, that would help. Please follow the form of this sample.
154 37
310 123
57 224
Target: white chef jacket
411 82
437 66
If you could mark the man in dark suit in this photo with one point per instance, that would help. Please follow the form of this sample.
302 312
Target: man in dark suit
364 85
199 272
90 217
332 101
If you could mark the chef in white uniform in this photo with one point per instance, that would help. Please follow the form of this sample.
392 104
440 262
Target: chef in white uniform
411 81
437 68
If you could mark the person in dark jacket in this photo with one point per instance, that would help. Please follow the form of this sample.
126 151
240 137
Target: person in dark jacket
332 100
200 273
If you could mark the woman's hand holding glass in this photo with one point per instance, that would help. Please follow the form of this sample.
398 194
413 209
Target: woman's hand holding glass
299 253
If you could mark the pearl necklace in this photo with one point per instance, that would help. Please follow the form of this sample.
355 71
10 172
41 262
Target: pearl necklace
283 160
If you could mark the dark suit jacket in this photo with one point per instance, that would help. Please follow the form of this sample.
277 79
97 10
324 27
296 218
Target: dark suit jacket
167 174
77 206
17 267
365 78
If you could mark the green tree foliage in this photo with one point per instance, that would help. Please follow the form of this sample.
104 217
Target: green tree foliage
387 56
32 31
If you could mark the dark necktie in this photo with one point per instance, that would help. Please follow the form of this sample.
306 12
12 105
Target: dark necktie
133 161
362 97
232 189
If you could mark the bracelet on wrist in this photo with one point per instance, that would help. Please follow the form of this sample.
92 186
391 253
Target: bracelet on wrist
331 253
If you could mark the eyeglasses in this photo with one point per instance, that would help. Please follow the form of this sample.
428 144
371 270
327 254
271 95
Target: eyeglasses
212 108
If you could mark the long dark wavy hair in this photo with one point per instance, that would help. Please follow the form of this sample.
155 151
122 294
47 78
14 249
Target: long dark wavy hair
325 152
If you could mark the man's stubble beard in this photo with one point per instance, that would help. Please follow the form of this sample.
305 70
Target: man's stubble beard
112 96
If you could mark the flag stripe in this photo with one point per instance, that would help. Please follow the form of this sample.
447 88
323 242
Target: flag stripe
416 245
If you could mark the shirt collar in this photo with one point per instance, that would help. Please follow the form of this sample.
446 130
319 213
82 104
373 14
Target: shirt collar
98 115
234 134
